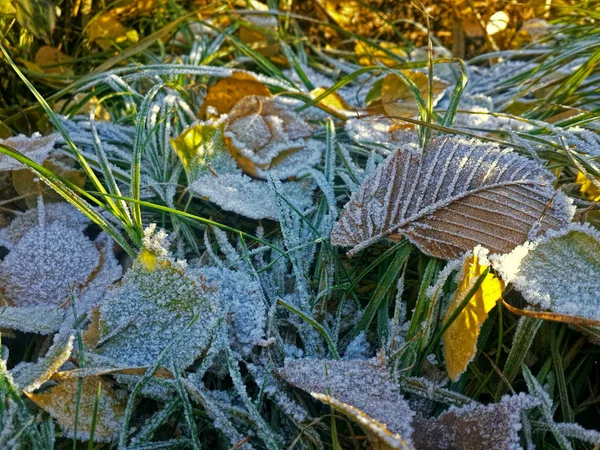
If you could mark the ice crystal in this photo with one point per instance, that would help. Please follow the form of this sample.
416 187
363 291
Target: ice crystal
358 348
558 272
158 303
364 385
457 194
47 318
36 147
380 131
475 426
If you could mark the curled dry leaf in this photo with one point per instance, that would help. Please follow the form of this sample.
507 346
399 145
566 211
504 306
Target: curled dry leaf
225 93
455 195
475 427
265 136
60 402
363 391
559 272
460 339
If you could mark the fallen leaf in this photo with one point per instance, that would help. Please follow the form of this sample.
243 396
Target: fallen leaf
227 92
475 426
197 145
36 147
105 31
363 391
60 402
332 101
53 61
497 23
29 186
460 339
456 194
369 55
559 272
264 136
393 97
588 189
265 43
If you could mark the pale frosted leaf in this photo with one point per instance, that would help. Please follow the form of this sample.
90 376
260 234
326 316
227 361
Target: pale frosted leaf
559 272
46 264
31 376
53 212
364 388
60 402
36 147
233 190
157 300
457 194
475 427
32 319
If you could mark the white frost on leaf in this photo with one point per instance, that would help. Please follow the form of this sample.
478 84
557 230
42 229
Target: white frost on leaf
559 272
36 147
158 303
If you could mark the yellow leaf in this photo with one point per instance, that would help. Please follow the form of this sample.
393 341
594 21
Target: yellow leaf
497 23
342 12
460 339
60 402
51 60
332 101
6 8
588 189
398 100
196 146
225 93
106 30
369 55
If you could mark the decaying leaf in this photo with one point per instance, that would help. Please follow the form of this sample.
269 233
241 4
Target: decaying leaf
559 272
105 30
362 390
225 93
159 302
30 376
36 148
266 137
460 339
475 427
391 96
60 402
455 195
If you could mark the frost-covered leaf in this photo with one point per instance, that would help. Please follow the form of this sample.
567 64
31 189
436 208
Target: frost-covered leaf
53 212
475 427
267 139
32 319
30 376
36 148
46 264
225 93
60 402
455 195
381 131
362 390
159 302
559 272
197 145
391 96
460 339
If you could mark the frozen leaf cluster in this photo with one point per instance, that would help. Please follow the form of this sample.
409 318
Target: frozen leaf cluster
457 194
